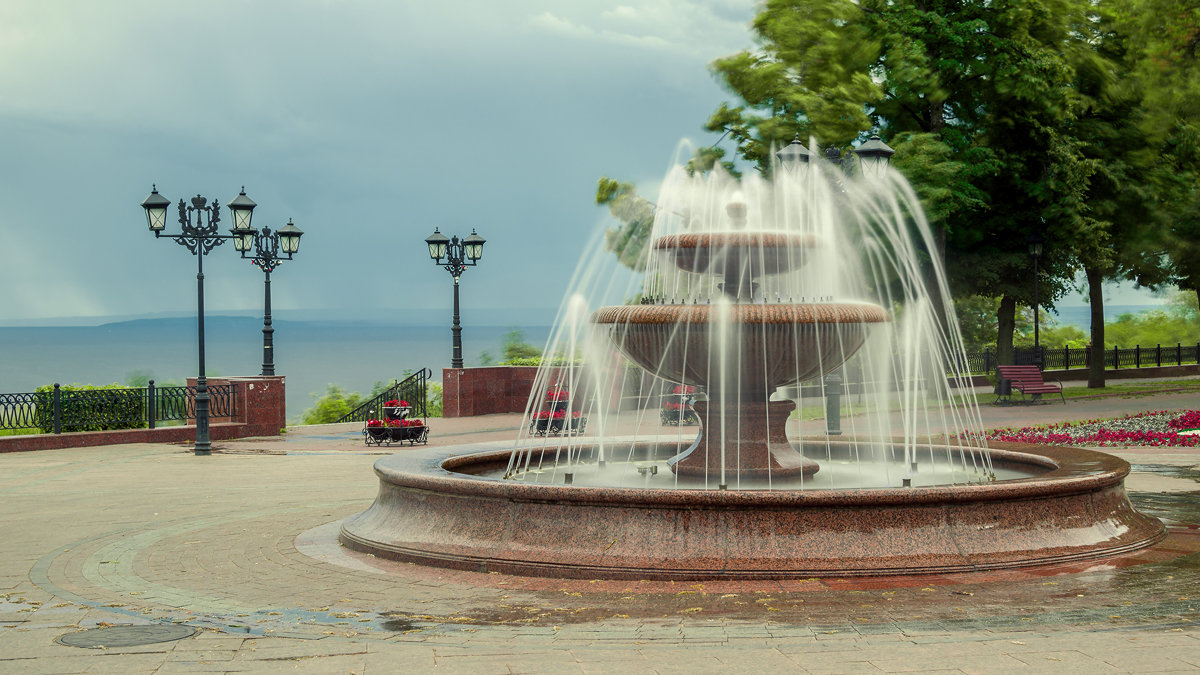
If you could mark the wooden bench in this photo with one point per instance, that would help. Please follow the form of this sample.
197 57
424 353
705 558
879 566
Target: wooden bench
1029 381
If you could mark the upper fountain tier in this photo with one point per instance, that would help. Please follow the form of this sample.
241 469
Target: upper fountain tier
739 258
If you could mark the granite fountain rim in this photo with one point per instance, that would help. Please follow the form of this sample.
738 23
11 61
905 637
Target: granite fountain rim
1069 470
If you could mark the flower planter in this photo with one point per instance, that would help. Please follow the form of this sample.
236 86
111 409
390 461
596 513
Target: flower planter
678 417
676 409
384 435
556 418
558 426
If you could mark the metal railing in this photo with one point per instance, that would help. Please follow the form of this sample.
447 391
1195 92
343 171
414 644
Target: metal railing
1067 358
413 389
59 410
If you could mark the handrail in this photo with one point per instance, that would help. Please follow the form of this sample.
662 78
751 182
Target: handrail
413 389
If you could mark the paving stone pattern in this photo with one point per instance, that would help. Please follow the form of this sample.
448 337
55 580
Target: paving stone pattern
241 547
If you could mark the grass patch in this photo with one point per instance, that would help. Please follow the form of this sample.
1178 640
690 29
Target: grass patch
19 432
1129 389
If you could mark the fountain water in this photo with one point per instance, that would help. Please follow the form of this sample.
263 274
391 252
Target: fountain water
754 288
764 297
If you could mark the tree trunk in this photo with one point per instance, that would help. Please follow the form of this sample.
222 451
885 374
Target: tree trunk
1005 322
1096 301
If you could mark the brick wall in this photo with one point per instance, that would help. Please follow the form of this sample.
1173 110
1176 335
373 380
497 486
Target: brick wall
467 392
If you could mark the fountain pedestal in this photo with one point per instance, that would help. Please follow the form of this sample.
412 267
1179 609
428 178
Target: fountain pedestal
756 447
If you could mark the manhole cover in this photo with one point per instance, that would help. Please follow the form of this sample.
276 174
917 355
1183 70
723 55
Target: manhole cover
125 636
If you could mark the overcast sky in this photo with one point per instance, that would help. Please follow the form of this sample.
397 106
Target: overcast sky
367 122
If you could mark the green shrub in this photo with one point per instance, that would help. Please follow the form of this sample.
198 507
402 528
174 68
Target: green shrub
433 399
331 406
119 408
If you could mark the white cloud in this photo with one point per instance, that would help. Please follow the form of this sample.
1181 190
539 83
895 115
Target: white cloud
684 27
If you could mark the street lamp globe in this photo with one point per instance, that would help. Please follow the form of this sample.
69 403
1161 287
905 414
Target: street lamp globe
437 244
1035 242
874 156
473 246
241 208
156 210
289 238
794 154
243 240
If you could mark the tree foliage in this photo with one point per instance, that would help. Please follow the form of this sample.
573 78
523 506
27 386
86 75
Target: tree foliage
1070 120
331 406
636 215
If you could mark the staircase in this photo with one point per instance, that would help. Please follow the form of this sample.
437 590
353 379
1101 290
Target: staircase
413 389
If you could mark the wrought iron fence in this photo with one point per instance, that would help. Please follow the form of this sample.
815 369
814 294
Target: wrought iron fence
1067 358
57 410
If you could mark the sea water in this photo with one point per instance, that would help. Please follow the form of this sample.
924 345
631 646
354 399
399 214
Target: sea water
353 355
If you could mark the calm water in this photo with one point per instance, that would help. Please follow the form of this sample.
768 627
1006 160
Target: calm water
312 354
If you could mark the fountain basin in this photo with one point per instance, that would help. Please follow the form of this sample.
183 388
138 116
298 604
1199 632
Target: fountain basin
436 509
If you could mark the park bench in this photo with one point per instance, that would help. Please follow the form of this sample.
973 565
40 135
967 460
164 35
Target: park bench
1029 381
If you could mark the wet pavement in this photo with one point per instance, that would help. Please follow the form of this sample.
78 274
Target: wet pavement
241 546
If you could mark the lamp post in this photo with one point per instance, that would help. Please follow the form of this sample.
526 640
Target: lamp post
873 158
1035 242
270 249
199 238
459 256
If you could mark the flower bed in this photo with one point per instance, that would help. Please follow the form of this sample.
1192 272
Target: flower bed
1153 428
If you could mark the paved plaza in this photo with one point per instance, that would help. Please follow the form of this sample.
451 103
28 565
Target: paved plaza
238 552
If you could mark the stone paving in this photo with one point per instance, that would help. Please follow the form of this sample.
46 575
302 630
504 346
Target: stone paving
241 546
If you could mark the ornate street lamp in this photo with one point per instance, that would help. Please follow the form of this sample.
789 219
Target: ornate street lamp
873 156
270 249
459 255
1035 242
200 237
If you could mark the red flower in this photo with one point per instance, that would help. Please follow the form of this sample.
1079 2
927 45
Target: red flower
374 423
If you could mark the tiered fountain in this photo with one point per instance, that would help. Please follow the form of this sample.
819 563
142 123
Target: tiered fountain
763 346
768 295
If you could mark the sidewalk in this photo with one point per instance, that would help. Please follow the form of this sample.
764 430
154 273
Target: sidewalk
240 546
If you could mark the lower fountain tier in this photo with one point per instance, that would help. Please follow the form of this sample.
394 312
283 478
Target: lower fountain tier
434 509
749 436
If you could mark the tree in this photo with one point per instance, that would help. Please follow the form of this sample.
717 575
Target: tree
1163 38
976 96
334 404
1139 179
636 215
